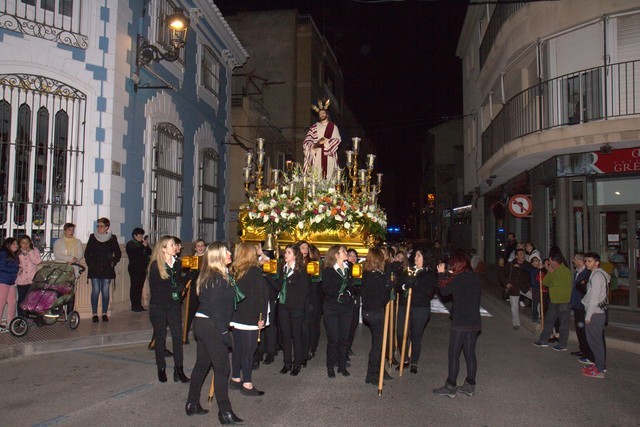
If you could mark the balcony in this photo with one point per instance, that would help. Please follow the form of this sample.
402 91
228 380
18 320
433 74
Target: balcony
594 94
54 20
501 13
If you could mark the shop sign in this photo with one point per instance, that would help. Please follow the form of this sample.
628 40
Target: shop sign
625 160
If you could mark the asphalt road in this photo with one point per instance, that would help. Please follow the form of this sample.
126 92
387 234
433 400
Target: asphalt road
518 385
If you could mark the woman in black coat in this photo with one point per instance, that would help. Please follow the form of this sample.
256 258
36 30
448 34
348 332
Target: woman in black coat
337 286
101 254
423 283
249 316
293 286
375 291
211 329
165 286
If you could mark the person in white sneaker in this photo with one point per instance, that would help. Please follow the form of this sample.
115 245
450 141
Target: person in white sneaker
595 303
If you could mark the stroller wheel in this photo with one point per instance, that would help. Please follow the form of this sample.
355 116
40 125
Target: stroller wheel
40 321
74 319
18 327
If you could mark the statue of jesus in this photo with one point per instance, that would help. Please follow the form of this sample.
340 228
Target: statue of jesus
321 144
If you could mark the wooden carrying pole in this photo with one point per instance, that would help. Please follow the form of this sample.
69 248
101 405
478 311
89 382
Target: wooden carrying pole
185 332
387 316
211 389
406 330
392 334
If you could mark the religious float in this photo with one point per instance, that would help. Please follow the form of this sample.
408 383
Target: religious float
299 204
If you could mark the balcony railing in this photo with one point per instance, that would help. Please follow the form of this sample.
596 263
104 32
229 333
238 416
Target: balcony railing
55 20
595 94
501 13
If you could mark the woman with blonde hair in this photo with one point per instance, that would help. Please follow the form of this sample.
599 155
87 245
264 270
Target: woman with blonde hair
249 316
165 286
211 329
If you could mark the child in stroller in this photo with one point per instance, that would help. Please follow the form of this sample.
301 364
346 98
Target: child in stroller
50 296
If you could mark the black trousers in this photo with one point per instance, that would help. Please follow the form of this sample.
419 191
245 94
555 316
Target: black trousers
306 329
135 291
245 344
578 317
337 321
290 322
210 352
355 319
23 290
418 318
374 319
270 333
462 341
160 316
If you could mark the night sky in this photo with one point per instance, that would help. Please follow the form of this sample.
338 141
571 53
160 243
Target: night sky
400 71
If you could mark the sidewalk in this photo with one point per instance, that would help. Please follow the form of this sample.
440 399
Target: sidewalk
126 327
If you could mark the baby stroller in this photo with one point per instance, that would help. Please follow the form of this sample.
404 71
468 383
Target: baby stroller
50 294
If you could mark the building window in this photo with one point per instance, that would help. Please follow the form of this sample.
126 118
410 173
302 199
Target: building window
208 195
210 71
167 178
164 9
41 180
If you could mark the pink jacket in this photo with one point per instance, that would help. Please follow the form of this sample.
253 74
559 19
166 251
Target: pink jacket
29 265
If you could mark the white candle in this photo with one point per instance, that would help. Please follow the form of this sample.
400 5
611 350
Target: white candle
247 173
371 158
260 142
260 157
356 143
349 157
363 176
249 158
275 173
379 180
291 188
313 189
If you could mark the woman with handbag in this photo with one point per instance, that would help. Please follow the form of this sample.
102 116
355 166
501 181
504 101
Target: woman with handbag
293 287
165 285
211 329
337 285
248 318
101 254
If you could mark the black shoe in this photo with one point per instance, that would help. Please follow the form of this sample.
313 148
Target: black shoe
178 375
195 409
286 368
331 373
105 318
95 318
162 375
167 353
414 369
235 385
577 353
295 371
229 418
344 372
268 359
250 391
371 381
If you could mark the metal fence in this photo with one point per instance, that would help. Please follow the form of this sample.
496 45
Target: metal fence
501 13
594 94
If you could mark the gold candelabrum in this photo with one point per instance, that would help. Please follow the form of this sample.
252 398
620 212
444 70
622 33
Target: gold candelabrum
361 178
251 174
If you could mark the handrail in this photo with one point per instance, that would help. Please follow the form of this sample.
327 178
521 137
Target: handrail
593 94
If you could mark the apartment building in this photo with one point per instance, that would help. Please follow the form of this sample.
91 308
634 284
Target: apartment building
552 129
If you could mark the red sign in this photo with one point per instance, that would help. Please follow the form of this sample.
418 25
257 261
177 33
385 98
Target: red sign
520 205
618 161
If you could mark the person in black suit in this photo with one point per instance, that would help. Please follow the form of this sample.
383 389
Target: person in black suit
337 286
211 328
293 286
314 310
249 316
375 291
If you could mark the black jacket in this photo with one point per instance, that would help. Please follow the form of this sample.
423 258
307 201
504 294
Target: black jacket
375 290
465 289
518 275
424 285
161 289
102 257
254 287
331 284
216 301
298 287
138 257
